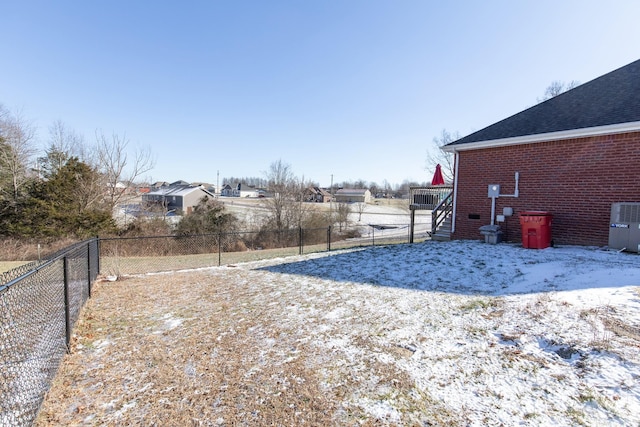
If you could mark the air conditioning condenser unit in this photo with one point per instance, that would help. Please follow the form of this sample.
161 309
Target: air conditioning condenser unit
624 232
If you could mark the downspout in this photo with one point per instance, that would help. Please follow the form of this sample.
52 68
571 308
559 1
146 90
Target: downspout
455 193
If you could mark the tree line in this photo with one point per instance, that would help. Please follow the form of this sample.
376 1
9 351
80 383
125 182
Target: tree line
385 189
73 189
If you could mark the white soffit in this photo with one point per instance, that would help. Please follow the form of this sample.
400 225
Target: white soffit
545 137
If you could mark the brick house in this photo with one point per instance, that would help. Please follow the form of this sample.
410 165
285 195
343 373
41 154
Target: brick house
317 195
573 155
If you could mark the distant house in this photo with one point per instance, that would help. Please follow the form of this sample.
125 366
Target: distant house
317 195
572 156
118 185
226 190
239 190
353 195
177 198
159 184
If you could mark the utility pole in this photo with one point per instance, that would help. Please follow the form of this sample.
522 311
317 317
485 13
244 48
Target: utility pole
218 183
331 202
331 186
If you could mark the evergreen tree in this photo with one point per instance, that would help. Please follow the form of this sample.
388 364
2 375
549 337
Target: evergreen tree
60 207
54 160
207 217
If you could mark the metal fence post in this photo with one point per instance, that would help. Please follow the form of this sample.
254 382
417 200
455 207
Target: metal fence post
219 248
89 267
413 221
98 254
373 236
329 239
67 303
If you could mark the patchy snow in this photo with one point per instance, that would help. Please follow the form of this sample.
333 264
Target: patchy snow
171 322
435 333
496 333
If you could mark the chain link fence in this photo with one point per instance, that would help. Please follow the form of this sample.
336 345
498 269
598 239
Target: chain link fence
138 255
39 304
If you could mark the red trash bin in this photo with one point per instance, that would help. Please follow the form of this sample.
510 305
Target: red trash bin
536 229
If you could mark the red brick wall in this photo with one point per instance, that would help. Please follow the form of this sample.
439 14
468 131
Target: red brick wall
576 180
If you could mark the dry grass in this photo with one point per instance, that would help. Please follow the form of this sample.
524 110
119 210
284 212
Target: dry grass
8 265
118 265
197 349
332 343
20 250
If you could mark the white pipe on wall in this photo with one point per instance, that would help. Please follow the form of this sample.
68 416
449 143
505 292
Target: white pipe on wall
516 193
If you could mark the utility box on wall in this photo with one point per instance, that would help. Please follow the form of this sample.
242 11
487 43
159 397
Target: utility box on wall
624 230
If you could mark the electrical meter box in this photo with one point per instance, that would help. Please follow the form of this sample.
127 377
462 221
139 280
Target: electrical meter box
494 190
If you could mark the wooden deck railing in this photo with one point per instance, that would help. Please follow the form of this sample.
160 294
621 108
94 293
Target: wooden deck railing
428 198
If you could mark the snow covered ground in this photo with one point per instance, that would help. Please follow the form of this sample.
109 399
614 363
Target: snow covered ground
379 212
436 333
499 333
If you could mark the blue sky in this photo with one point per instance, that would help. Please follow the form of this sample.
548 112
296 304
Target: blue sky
352 88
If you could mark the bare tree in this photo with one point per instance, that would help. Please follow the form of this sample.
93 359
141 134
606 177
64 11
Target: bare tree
360 208
342 215
117 169
285 204
436 155
556 88
360 183
387 188
16 152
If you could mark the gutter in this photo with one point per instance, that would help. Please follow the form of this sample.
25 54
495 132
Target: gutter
545 137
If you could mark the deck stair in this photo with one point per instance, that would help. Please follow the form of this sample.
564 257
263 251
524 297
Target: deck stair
438 199
443 232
